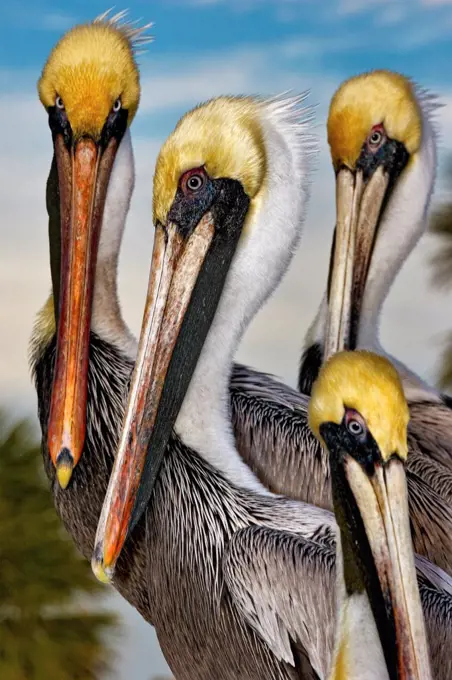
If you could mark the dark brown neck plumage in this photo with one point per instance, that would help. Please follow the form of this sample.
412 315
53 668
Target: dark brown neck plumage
80 504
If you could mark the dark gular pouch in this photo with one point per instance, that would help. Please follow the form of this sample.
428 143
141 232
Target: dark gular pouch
359 566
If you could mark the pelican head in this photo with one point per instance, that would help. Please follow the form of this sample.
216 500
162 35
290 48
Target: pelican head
229 194
359 412
383 155
90 88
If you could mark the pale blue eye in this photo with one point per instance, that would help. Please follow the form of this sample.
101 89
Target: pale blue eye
375 138
195 182
355 428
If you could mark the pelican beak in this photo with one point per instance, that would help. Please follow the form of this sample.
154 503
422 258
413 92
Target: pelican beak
372 500
358 209
188 272
84 168
361 197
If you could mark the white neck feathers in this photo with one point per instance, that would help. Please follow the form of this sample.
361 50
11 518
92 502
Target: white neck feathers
358 654
263 255
107 319
402 225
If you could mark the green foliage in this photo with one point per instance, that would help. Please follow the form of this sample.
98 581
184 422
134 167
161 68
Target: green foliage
45 634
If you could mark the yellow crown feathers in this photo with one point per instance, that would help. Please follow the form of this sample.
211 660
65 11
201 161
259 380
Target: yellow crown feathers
369 384
367 100
91 67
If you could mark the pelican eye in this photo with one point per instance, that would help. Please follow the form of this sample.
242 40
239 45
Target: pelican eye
376 138
59 103
117 105
354 427
355 424
193 181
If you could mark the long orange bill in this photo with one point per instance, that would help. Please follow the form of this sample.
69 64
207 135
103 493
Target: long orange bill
83 173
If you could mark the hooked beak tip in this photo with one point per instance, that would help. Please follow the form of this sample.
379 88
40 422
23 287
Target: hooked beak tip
103 573
64 467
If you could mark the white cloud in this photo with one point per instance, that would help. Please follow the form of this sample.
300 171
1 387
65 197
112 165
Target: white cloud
426 32
25 14
204 3
308 47
286 10
206 77
424 20
358 6
56 21
247 70
392 15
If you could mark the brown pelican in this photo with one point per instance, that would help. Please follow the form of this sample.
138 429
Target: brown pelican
90 88
228 562
368 449
383 148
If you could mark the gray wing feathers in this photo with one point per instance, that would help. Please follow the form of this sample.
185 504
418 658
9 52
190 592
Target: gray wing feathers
266 387
273 437
283 585
438 477
430 517
435 588
431 575
431 426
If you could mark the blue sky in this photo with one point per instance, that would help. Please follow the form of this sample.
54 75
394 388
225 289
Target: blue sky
204 48
379 29
317 38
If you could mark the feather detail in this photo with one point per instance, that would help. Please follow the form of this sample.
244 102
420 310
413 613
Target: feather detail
136 35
